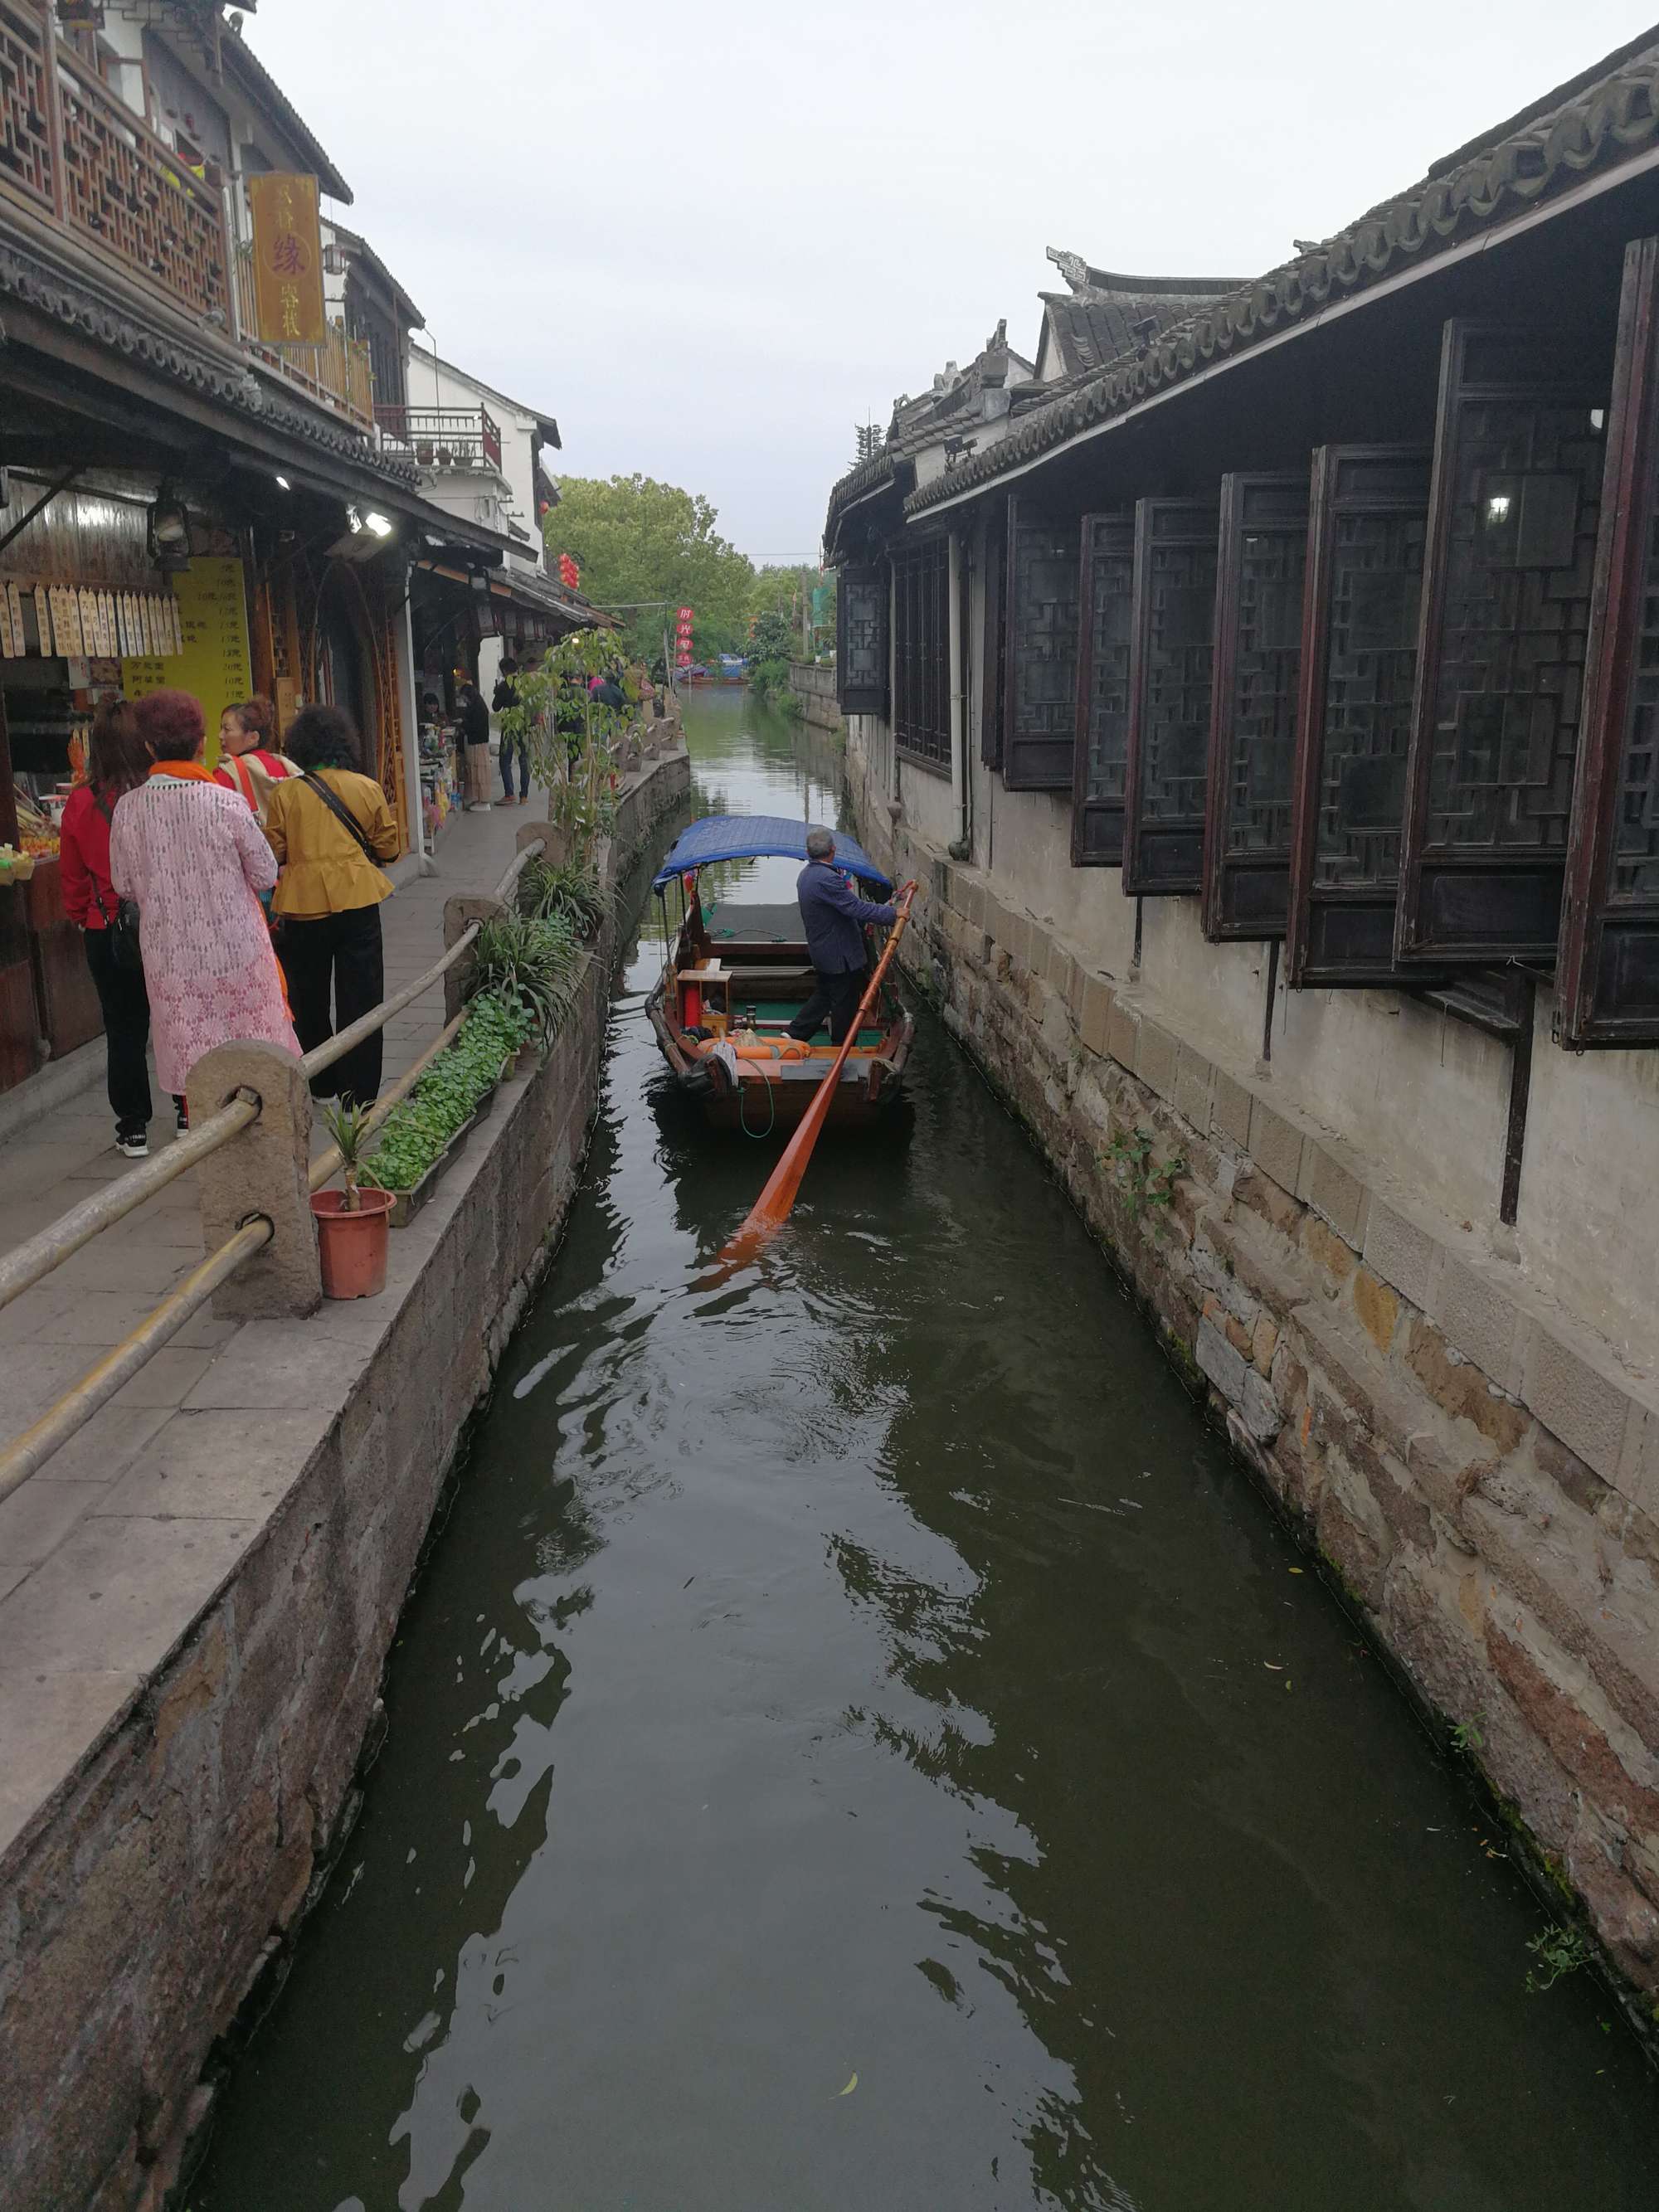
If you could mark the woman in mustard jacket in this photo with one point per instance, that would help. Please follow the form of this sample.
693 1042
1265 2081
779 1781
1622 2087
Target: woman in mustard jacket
328 826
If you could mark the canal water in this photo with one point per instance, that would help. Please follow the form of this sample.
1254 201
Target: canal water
860 1746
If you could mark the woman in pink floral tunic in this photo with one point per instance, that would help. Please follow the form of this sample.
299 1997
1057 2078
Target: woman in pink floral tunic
194 857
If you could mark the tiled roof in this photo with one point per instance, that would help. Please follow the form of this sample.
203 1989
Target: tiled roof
1611 117
1098 326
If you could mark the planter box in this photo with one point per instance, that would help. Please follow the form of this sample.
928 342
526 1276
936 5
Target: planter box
406 1203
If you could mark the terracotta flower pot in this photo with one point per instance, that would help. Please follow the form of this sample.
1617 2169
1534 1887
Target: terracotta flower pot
352 1247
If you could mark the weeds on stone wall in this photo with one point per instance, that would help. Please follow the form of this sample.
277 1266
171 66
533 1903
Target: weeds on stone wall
1559 1952
1148 1184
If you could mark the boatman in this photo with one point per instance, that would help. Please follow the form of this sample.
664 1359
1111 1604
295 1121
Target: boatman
834 916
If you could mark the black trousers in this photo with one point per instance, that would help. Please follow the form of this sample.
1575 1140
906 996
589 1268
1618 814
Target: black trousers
343 951
837 996
126 1003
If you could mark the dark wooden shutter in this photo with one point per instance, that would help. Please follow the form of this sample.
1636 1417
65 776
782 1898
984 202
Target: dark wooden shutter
1258 662
994 638
861 640
1102 690
1170 659
1040 687
1512 527
1369 526
1607 975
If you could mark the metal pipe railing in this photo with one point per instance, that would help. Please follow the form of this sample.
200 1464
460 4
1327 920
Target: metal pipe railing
24 1267
20 1458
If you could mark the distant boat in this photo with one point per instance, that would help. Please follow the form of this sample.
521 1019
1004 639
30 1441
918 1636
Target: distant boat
738 975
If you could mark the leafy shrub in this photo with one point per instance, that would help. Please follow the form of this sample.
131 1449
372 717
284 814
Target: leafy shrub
571 894
528 962
448 1094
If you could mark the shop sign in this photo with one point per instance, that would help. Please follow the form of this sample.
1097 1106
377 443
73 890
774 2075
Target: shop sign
203 650
288 260
682 656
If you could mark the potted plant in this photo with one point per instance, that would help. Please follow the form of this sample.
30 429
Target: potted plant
353 1224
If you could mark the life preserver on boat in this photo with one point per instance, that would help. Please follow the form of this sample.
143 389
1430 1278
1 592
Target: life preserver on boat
764 1048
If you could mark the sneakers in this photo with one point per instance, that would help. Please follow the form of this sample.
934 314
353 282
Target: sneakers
131 1144
182 1112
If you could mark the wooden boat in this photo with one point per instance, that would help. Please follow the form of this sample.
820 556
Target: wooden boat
739 973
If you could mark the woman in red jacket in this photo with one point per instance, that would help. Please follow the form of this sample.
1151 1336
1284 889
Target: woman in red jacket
118 761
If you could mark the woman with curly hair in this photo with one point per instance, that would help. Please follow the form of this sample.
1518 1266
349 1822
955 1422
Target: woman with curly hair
329 826
193 857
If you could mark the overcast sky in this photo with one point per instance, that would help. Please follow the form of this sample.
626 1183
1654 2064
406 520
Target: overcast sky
710 237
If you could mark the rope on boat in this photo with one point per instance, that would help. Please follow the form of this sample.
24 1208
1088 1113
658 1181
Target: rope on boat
759 1135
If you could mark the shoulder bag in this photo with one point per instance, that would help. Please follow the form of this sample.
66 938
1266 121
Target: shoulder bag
342 813
121 927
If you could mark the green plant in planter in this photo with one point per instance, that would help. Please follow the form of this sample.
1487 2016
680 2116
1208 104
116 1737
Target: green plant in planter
350 1126
528 960
448 1095
572 894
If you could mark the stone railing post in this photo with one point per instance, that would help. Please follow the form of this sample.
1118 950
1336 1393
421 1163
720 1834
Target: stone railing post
460 912
556 841
263 1169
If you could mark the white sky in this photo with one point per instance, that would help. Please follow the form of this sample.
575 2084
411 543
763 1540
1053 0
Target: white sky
711 236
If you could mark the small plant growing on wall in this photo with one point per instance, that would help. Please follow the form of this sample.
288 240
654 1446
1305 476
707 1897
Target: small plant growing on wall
1559 1952
1147 1183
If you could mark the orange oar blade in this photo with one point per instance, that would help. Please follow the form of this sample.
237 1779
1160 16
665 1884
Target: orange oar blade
772 1206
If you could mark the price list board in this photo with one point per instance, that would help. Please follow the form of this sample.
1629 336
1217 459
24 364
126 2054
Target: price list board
214 666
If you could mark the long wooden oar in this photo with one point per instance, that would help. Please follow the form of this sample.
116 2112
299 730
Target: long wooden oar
771 1209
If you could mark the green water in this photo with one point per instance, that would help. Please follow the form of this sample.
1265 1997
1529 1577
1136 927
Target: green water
860 1746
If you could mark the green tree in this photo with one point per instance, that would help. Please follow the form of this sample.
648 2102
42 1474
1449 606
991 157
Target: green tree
636 539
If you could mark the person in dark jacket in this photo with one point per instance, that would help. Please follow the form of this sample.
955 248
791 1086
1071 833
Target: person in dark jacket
513 748
118 761
474 718
834 916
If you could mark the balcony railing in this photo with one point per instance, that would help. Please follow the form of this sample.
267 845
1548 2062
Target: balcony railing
73 149
441 437
336 373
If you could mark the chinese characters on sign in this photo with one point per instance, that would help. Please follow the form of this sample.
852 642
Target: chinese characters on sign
683 653
208 657
288 260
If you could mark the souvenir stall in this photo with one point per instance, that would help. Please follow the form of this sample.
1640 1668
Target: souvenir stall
101 593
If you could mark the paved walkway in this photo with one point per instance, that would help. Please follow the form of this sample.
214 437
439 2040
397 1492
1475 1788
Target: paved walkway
55 1332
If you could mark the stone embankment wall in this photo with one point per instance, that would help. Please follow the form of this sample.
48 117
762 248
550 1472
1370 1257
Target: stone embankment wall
152 1895
815 688
1474 1468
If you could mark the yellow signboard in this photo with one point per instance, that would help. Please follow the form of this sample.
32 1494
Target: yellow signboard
214 666
288 260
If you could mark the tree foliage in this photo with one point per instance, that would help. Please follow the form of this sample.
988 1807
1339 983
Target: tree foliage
637 539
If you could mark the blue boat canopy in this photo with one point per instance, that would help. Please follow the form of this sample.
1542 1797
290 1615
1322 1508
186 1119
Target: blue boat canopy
758 836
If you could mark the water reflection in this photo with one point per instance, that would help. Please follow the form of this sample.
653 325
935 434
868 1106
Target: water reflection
874 1670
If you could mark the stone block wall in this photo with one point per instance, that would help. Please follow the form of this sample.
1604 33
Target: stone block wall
815 688
147 1900
1480 1473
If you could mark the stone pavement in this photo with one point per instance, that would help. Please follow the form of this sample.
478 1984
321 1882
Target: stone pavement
55 1332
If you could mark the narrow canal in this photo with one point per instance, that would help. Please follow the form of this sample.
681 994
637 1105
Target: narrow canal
859 1746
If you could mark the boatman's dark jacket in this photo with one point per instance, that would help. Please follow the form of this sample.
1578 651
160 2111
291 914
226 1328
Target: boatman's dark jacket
834 916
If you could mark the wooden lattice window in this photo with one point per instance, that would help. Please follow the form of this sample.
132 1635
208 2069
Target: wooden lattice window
1258 664
1102 690
1369 523
1608 969
862 596
994 634
922 651
1519 448
1040 693
25 125
1171 663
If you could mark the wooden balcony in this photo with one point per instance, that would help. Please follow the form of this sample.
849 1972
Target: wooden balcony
72 151
75 152
441 437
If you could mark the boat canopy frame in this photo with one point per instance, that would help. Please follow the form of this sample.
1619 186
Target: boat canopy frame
758 836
